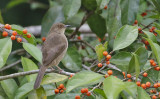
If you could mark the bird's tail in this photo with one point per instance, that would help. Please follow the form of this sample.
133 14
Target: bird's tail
39 77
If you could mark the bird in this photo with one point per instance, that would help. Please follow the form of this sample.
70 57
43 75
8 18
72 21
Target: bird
53 50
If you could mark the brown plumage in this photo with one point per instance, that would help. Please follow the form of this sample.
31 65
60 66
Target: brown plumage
53 50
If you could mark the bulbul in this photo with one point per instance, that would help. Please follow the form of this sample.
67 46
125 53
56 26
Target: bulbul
53 50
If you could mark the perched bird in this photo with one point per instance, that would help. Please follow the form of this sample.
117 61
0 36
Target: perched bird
53 50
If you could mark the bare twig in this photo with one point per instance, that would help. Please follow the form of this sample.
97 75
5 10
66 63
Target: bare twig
149 25
17 51
96 87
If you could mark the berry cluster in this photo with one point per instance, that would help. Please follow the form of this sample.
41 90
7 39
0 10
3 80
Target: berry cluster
85 92
60 89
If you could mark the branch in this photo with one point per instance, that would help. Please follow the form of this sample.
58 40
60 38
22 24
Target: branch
96 87
31 72
82 22
149 25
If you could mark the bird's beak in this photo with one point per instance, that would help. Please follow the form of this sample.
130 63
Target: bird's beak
67 26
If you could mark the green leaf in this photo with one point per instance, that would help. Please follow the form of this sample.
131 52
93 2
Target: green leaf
121 58
24 90
72 60
129 10
14 3
1 18
66 96
131 89
142 94
100 92
29 65
20 29
52 16
112 86
134 65
97 25
71 7
102 3
125 37
142 56
83 78
99 51
53 77
151 36
89 4
5 50
156 50
34 51
10 87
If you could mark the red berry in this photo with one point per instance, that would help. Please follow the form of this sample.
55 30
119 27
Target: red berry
13 37
19 40
43 39
105 53
79 37
100 65
148 84
151 61
25 31
108 62
157 68
105 7
77 97
138 83
153 28
88 93
28 35
154 97
129 76
106 75
155 85
4 34
56 91
143 14
61 86
143 86
145 74
14 33
85 90
82 90
108 57
135 22
110 72
150 30
146 42
153 64
7 26
155 34
61 91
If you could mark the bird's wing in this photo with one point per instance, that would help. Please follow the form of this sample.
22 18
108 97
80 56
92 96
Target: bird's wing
52 48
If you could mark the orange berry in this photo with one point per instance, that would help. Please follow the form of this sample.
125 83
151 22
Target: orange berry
85 90
145 74
13 37
155 85
154 97
158 84
4 34
56 91
99 64
157 68
153 28
146 42
108 62
106 75
143 14
28 35
151 61
123 73
143 86
129 80
19 40
135 22
14 33
138 83
105 53
61 86
82 90
88 93
151 91
7 26
110 72
79 37
24 31
43 39
148 84
155 34
108 56
150 30
71 75
61 91
64 88
139 30
153 64
77 97
105 7
129 76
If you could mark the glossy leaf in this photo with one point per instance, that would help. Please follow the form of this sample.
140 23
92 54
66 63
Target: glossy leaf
67 96
121 58
100 92
142 94
72 60
19 30
151 36
112 86
71 7
102 3
52 78
97 25
83 78
34 51
92 4
99 51
1 18
53 15
131 89
29 65
156 50
129 10
5 50
125 36
24 90
9 86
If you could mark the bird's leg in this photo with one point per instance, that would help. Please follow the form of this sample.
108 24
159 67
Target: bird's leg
51 68
60 70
